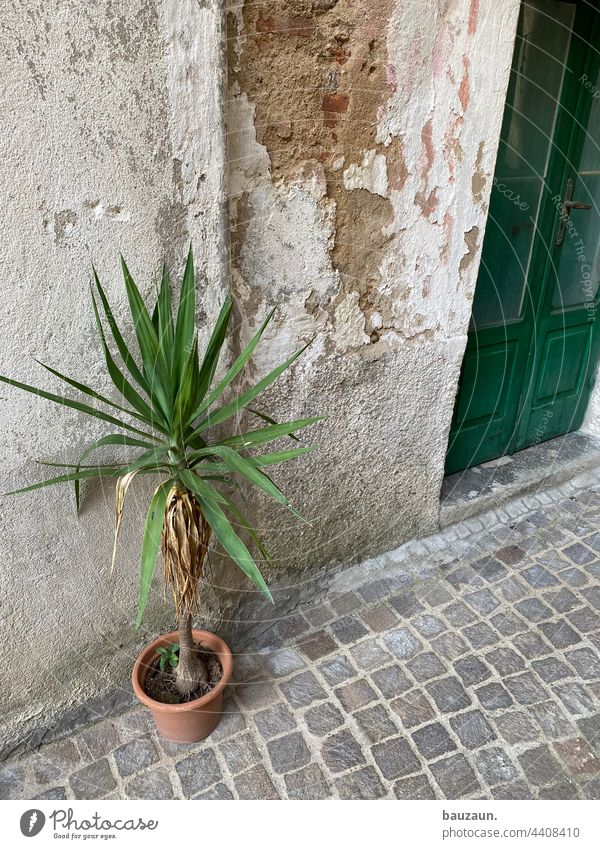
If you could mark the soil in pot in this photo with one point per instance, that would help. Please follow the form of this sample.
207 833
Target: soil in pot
161 686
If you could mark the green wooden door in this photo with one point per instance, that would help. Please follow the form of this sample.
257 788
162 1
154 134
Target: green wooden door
534 337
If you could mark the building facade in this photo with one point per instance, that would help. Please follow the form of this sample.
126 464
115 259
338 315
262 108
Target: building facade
335 159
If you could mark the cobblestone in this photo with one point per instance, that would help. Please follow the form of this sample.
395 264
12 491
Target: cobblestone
466 666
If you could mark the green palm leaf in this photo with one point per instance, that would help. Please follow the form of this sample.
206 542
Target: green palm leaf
186 318
235 369
111 439
229 410
267 434
155 368
213 349
188 392
145 413
151 543
232 544
75 405
150 462
164 318
124 351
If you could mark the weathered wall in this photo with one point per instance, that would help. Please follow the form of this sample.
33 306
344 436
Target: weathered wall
362 140
100 152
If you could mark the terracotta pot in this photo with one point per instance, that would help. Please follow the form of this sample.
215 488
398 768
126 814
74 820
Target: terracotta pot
192 721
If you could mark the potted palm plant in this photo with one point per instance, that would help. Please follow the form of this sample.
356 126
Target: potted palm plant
169 409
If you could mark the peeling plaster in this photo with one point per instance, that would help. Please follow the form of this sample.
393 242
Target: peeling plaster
401 109
371 174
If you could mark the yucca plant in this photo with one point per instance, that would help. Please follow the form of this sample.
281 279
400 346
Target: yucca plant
169 409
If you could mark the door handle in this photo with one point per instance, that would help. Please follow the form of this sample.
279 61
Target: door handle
576 204
567 206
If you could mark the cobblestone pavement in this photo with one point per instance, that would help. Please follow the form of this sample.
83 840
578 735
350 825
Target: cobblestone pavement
465 665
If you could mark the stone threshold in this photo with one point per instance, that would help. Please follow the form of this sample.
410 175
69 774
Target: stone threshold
534 470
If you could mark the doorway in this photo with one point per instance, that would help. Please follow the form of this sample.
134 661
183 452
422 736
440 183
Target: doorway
534 336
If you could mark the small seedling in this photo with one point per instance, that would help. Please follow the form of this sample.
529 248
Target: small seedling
169 656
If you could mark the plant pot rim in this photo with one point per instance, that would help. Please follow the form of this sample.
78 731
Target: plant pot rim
148 654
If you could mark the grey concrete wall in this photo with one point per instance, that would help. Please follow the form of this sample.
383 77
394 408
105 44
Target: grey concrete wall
107 144
362 140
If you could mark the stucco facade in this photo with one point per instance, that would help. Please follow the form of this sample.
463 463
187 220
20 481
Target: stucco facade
333 158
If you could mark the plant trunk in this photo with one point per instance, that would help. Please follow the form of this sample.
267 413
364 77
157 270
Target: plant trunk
191 670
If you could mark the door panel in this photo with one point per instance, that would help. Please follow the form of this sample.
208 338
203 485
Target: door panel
541 47
578 275
533 339
481 415
560 377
